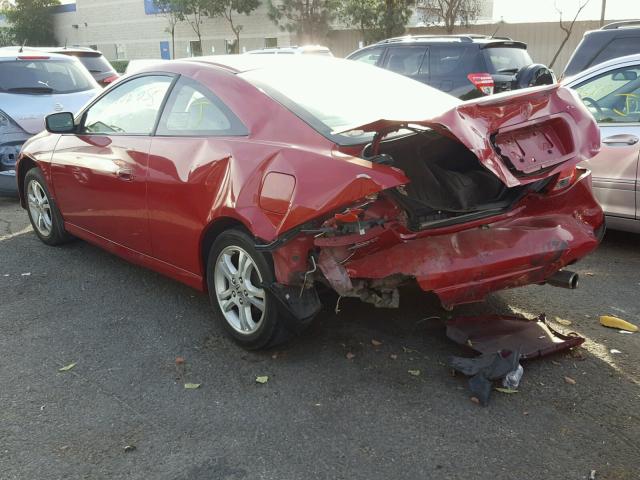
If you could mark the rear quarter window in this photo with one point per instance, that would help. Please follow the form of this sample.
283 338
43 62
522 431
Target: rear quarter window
454 60
506 59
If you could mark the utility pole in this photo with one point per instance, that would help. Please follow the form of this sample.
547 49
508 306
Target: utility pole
604 8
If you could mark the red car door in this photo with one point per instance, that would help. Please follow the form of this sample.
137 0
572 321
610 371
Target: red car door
188 161
99 174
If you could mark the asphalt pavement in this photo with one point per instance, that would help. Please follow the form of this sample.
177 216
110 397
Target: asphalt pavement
122 411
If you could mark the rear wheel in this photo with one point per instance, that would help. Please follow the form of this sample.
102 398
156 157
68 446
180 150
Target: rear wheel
43 212
236 275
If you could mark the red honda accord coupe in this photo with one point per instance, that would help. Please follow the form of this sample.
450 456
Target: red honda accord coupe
257 179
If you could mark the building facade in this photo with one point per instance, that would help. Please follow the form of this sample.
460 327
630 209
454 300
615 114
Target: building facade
131 29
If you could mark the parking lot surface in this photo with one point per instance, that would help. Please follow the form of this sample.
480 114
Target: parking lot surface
122 411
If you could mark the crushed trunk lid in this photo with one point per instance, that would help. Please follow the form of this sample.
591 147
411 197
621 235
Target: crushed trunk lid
520 136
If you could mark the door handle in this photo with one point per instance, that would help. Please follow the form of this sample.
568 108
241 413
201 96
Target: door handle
125 174
623 138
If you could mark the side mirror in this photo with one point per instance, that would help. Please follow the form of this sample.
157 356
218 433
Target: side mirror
60 123
625 75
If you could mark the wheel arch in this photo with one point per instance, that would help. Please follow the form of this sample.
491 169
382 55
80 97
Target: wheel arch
26 163
209 235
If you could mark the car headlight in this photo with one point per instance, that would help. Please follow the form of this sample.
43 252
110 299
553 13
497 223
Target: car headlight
7 125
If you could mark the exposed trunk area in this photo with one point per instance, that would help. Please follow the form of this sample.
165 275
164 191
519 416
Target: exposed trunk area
448 183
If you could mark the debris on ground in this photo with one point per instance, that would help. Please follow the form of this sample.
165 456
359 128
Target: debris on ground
569 380
393 356
512 379
350 356
592 475
506 390
415 373
615 322
129 448
179 360
66 368
262 379
192 386
376 343
492 333
486 368
563 321
614 351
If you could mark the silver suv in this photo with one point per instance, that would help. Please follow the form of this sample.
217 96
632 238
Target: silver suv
34 84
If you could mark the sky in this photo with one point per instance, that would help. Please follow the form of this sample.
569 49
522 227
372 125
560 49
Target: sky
544 10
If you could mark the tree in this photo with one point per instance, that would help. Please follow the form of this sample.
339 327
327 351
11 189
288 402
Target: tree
228 8
309 19
6 38
30 22
450 12
172 11
193 12
376 19
567 29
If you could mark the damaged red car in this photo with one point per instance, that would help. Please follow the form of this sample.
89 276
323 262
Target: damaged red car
256 180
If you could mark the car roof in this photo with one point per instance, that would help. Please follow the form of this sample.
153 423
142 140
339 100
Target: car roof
635 58
458 38
292 49
14 53
244 63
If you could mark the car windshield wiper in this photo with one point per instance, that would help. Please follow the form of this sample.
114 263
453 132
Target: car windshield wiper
30 90
95 71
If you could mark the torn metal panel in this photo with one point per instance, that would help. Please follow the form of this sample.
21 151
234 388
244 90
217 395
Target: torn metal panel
493 333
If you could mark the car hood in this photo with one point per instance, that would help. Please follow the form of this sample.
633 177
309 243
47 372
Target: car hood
520 136
28 111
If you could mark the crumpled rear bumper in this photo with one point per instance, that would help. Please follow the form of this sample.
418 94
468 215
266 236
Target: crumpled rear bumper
541 236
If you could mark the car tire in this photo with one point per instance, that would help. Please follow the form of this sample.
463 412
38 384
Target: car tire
44 214
236 274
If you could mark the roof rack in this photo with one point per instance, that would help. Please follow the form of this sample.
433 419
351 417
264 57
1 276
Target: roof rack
465 37
624 23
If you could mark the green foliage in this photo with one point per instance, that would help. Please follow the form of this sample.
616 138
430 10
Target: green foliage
30 22
6 37
228 8
119 65
309 19
376 19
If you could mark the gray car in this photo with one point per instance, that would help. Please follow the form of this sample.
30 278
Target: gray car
611 91
34 84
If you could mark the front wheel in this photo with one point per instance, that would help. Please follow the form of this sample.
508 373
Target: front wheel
236 276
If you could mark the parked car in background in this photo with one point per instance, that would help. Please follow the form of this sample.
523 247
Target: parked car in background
465 66
615 40
611 91
257 179
135 65
34 84
295 50
93 60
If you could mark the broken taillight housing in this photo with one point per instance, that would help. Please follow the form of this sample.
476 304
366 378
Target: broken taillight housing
565 179
483 82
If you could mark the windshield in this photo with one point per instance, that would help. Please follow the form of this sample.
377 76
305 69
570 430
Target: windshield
44 76
507 59
335 95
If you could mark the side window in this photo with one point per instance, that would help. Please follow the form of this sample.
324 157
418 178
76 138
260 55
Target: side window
620 47
614 96
406 61
131 108
193 110
449 60
370 56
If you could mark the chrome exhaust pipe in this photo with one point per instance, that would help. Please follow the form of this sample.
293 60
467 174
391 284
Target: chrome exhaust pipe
564 279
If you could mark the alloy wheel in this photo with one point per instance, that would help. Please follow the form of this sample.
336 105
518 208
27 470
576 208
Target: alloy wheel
39 208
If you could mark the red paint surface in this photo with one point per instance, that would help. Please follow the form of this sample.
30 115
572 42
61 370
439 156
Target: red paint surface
179 187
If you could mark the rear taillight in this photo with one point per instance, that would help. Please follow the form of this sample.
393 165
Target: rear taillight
110 79
483 82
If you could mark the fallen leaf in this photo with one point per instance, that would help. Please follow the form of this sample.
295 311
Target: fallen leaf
409 350
614 351
415 373
475 400
192 386
569 380
393 356
262 379
179 360
129 448
350 356
26 274
589 274
506 390
376 343
525 413
66 368
564 322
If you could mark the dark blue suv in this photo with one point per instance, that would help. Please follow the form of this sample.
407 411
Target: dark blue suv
465 66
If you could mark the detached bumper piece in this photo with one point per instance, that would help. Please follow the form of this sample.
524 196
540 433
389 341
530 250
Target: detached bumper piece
492 333
298 306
